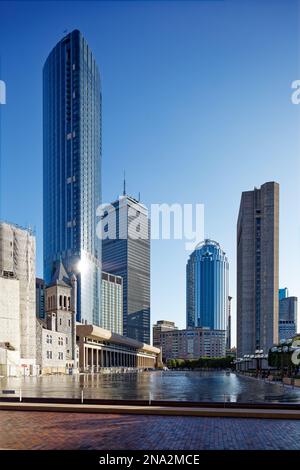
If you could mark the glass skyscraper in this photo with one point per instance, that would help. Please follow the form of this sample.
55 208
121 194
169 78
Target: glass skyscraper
207 287
126 253
72 168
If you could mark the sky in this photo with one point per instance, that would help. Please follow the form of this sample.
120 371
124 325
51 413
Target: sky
196 108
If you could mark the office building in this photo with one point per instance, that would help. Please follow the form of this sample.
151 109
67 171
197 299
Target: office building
257 269
228 326
207 287
72 169
126 253
40 297
112 303
287 317
192 343
283 293
158 327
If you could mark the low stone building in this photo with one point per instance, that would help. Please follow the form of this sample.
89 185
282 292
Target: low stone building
192 343
100 348
51 350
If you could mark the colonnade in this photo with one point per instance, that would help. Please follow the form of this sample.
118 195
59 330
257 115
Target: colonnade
94 358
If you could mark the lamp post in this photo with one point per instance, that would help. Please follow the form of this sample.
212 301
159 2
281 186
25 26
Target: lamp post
259 355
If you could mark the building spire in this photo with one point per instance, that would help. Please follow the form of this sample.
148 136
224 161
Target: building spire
124 185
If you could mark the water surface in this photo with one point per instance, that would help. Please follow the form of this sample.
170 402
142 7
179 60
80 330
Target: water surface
155 385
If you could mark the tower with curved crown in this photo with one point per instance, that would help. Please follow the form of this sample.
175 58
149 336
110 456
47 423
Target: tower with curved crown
207 287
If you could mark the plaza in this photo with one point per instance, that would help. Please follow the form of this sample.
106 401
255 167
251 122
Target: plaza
49 430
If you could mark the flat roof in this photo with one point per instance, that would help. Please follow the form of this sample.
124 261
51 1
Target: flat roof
98 333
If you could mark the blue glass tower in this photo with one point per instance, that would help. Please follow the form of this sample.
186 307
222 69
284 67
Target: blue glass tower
207 287
72 168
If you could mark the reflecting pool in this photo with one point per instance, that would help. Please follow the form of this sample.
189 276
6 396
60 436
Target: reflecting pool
155 385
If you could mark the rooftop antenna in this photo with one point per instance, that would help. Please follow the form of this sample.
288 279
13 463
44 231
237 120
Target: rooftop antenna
124 185
139 197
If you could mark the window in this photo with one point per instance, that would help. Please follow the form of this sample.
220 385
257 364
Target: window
60 300
49 354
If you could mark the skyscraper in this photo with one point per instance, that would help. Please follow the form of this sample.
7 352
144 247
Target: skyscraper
72 167
257 269
126 253
283 293
287 316
228 325
112 303
158 327
207 287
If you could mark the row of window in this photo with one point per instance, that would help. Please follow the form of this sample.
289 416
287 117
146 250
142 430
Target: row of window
49 340
64 302
50 355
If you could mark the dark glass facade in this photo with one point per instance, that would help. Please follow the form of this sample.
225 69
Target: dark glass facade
207 287
40 297
287 317
72 168
128 255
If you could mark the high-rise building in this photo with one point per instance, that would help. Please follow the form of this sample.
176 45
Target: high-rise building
207 287
40 297
112 303
72 167
126 253
257 269
17 261
228 325
158 327
283 293
287 317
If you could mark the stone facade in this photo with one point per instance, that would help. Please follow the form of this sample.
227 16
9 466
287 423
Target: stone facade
57 333
257 269
161 325
17 260
100 349
52 350
10 335
192 343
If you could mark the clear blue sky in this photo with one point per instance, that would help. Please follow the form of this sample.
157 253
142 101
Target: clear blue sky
196 107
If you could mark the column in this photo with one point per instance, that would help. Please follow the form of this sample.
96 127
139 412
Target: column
92 360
